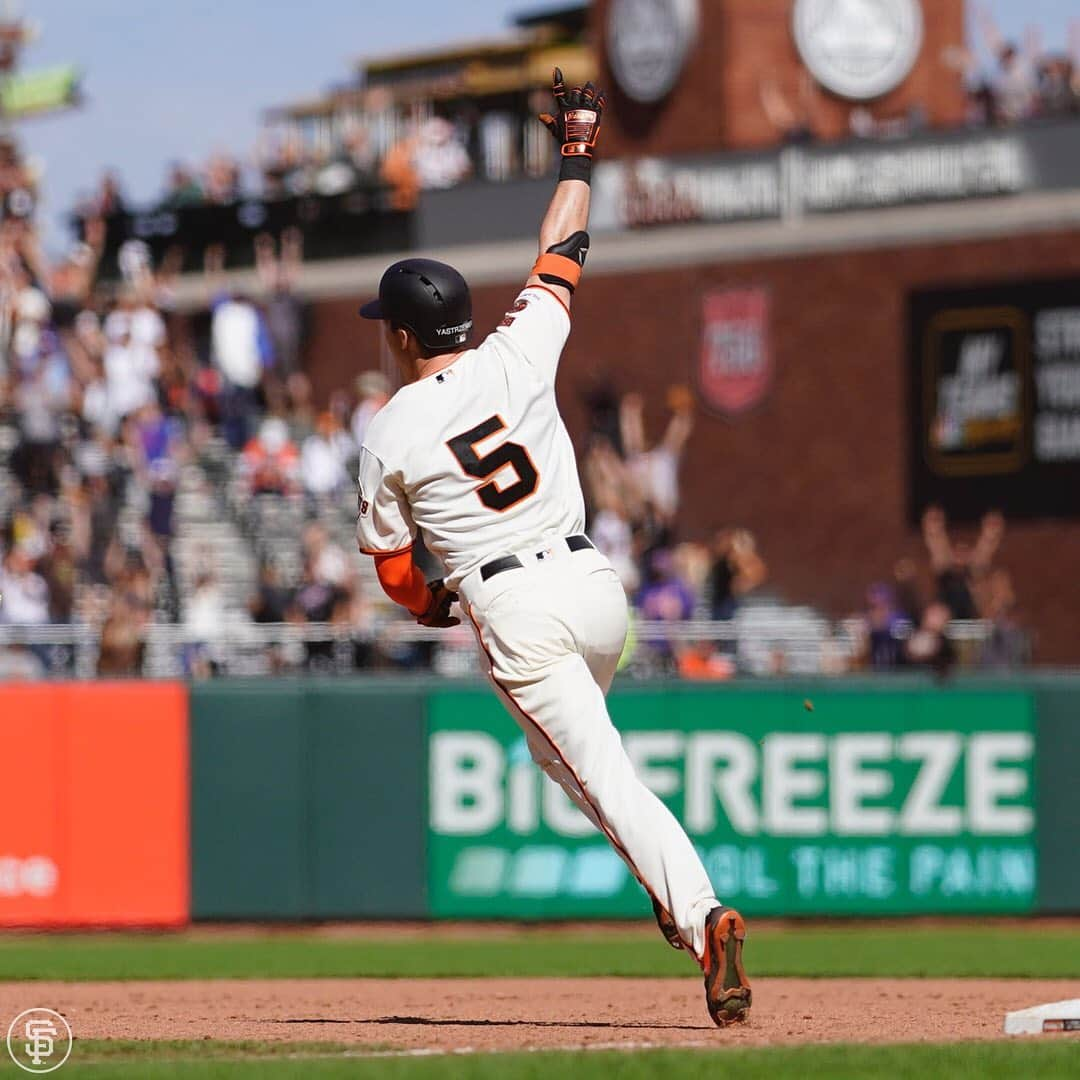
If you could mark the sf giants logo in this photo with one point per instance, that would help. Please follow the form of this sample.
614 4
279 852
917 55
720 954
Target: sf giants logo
508 318
39 1040
41 1034
736 357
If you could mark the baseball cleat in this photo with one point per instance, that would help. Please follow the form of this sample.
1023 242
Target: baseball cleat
667 926
727 992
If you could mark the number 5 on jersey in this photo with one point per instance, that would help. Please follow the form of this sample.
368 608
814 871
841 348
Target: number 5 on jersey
463 447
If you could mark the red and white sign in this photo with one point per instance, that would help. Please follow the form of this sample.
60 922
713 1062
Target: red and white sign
736 354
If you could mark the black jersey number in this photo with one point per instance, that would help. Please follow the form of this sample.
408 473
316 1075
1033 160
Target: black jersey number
463 447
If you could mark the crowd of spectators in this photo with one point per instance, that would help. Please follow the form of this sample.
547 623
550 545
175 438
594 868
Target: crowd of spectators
84 384
1006 83
632 488
907 623
423 154
1023 81
905 620
106 394
110 393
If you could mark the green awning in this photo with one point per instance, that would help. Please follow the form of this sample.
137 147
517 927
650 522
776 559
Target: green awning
27 93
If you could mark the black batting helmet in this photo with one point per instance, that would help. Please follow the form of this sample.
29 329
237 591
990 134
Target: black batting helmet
427 297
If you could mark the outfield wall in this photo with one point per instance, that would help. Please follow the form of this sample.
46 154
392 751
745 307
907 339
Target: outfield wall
156 803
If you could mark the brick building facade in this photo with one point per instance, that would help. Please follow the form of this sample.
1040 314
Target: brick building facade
819 469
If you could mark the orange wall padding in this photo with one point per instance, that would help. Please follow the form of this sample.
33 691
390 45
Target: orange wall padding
94 817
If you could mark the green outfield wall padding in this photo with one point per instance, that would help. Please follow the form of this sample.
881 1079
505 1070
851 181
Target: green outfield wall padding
368 802
390 798
1057 765
842 798
307 800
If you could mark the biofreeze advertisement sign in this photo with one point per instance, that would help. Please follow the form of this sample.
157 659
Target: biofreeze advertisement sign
873 803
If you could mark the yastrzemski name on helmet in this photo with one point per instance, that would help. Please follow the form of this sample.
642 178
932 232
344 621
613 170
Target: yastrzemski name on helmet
427 297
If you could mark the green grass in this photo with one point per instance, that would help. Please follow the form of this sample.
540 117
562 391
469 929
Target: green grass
991 950
201 1061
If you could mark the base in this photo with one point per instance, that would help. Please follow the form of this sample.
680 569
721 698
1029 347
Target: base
1054 1017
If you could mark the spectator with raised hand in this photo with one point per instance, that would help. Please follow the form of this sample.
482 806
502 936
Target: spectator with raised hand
958 567
1014 84
656 471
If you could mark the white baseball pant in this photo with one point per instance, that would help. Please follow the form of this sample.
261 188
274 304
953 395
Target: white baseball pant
553 632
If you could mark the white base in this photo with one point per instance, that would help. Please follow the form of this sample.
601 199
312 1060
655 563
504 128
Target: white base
1052 1018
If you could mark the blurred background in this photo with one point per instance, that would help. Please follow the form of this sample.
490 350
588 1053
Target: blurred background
823 382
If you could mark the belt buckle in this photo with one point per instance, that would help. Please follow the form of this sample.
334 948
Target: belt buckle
545 553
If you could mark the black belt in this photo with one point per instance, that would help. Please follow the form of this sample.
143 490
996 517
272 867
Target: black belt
512 562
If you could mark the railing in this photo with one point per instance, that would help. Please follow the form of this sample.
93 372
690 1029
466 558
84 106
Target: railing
356 222
779 184
792 641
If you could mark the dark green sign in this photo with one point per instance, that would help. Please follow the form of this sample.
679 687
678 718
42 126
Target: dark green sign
873 803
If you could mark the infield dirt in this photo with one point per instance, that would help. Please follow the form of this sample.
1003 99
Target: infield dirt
514 1014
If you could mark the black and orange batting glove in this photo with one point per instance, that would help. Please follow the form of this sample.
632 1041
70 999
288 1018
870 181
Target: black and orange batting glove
438 610
576 127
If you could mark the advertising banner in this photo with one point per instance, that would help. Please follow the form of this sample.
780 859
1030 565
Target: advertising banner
995 399
94 804
736 357
873 803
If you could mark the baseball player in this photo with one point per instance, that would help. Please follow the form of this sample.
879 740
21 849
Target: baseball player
472 453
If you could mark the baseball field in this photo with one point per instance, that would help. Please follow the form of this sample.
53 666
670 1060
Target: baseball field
484 1000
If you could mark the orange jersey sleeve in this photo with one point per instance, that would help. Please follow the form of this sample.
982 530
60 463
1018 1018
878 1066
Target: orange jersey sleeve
403 581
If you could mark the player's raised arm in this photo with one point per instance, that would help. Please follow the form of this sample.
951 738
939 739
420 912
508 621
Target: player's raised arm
564 243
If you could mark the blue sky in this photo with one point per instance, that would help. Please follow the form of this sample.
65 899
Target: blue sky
167 81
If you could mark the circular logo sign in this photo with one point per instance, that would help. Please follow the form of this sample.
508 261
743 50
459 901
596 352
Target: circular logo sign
647 43
39 1040
859 49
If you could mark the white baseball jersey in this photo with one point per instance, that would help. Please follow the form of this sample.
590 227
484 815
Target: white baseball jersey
476 456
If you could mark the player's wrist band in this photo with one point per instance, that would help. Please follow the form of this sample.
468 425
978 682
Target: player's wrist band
576 167
558 270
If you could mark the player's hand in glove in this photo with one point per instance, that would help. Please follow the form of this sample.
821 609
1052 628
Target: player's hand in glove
438 611
577 125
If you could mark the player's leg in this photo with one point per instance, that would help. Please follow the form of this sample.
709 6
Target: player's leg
602 652
529 634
